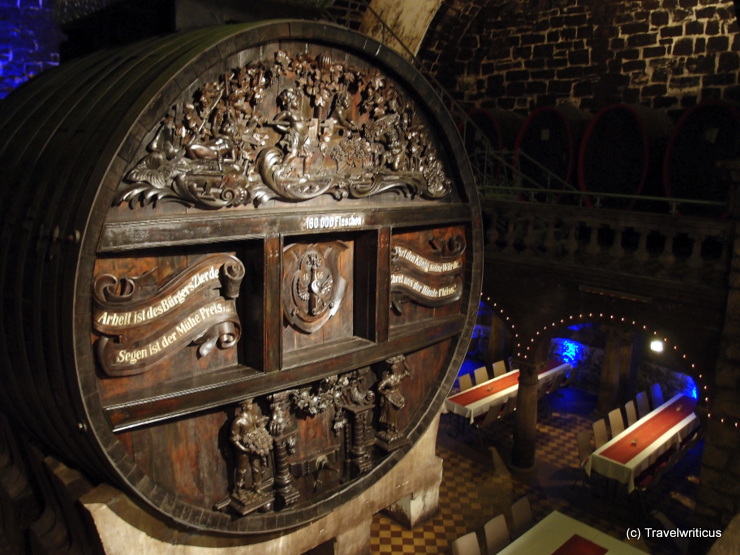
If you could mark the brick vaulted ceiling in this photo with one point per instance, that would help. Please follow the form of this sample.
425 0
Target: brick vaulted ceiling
521 54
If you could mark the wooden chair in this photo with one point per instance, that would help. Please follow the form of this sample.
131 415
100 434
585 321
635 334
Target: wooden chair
481 375
601 436
630 412
585 448
465 381
509 407
466 545
521 516
480 423
497 534
499 368
616 422
571 377
643 405
557 383
656 395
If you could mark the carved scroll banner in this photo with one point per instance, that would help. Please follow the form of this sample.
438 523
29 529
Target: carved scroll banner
431 279
150 324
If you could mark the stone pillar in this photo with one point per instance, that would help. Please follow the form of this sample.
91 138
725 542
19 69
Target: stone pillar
621 362
355 540
525 418
419 506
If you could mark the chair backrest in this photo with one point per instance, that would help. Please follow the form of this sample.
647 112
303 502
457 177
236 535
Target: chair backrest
571 376
630 412
557 383
499 368
509 407
465 381
656 395
584 446
601 436
521 516
466 545
616 422
493 414
497 534
643 405
542 386
481 375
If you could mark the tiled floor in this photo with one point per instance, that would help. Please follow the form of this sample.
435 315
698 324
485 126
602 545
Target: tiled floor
477 485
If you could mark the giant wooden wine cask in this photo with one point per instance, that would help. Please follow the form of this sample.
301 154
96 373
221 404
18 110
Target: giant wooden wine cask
241 267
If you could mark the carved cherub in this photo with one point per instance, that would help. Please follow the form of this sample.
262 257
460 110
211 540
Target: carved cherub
293 124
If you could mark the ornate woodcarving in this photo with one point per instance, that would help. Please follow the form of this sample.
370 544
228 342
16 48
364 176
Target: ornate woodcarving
289 130
284 430
142 324
391 402
265 471
253 477
313 289
433 278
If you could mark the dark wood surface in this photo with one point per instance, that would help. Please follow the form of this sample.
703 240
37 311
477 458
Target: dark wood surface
197 289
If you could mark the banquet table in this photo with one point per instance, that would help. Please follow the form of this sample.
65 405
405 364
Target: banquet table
559 534
632 451
477 400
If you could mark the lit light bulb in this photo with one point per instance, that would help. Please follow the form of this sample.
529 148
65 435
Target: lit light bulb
656 345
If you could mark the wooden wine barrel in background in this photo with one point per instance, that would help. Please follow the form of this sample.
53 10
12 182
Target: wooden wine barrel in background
550 137
621 153
704 135
501 128
242 267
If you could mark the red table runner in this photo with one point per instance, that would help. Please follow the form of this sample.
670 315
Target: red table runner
484 390
646 433
578 545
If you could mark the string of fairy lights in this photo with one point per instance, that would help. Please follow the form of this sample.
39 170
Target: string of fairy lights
525 349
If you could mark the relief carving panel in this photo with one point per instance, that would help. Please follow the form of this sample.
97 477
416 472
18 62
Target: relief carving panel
290 130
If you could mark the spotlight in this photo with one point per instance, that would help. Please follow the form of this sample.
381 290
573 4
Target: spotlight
656 345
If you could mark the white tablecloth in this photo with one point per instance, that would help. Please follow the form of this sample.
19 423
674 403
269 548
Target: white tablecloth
625 473
555 529
476 408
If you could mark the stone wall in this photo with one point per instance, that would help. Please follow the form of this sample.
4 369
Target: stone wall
667 54
29 41
719 496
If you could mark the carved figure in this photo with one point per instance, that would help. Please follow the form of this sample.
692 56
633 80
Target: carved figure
222 148
341 112
252 441
392 401
294 125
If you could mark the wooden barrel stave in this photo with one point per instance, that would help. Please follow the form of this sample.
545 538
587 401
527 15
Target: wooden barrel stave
46 169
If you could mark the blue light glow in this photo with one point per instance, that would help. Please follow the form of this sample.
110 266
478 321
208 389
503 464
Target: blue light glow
691 389
568 351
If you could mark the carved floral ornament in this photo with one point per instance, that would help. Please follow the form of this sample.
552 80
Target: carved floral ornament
288 130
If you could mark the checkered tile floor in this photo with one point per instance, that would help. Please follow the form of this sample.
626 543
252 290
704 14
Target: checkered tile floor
477 485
